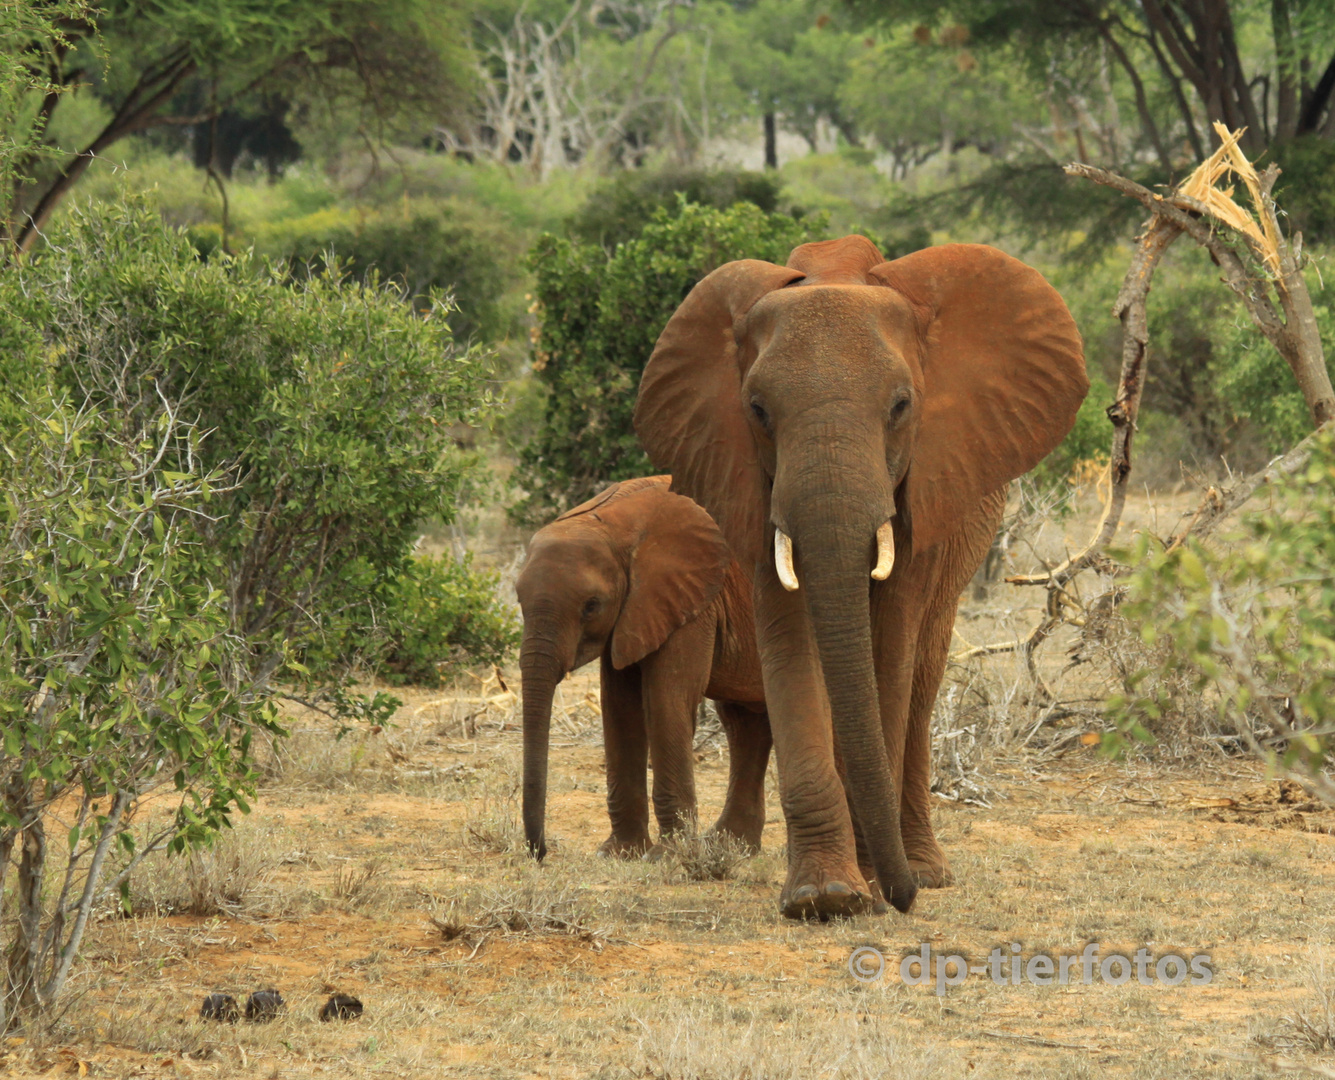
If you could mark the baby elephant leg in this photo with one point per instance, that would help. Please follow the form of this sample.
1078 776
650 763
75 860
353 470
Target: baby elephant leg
673 681
627 749
749 744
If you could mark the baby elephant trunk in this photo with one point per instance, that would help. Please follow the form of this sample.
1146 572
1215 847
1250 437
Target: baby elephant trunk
541 672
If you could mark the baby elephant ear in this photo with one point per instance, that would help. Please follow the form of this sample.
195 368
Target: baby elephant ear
677 561
1003 375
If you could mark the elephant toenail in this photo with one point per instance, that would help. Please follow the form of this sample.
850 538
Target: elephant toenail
880 908
837 888
805 894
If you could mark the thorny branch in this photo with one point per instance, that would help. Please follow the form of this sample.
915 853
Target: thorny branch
1272 289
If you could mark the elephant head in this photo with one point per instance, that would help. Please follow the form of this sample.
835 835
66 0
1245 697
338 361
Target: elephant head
616 575
844 412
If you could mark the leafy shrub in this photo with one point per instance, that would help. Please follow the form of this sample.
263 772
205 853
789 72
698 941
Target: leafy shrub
206 470
120 674
599 317
1089 440
619 208
442 614
1251 624
422 248
327 405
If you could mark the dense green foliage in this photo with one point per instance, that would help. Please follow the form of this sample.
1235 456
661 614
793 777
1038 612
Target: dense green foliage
599 317
28 29
327 403
620 207
383 66
424 249
1256 382
1250 623
120 669
211 474
441 615
1087 442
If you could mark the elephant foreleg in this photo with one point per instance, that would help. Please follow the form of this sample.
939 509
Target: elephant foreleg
626 746
749 743
673 681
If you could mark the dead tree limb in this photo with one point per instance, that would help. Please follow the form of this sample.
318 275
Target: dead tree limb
1271 286
1130 308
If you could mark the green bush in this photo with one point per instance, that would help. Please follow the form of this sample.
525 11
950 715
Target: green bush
421 248
1304 188
121 674
441 615
1090 440
599 317
1246 627
327 404
619 208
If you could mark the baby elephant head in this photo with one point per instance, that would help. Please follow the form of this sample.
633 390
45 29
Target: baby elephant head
613 577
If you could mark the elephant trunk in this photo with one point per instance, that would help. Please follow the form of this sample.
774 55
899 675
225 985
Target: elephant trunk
835 517
541 669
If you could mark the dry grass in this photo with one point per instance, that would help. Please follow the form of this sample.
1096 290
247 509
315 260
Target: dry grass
364 887
714 1043
493 826
391 867
1310 1027
540 908
704 856
236 876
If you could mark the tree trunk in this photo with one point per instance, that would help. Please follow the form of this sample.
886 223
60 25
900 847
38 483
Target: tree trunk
771 143
23 969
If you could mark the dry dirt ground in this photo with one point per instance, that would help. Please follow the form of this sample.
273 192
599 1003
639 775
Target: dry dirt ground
387 865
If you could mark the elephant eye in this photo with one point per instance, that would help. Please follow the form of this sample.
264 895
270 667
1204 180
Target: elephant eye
591 608
899 408
760 413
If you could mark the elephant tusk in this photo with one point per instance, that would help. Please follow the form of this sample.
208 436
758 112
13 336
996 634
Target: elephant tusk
783 560
885 552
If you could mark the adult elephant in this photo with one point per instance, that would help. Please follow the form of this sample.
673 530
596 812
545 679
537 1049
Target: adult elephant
861 419
640 579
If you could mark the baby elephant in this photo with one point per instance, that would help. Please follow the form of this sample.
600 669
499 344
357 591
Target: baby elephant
641 580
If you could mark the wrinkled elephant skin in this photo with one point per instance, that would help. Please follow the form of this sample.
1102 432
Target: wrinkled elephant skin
851 424
642 580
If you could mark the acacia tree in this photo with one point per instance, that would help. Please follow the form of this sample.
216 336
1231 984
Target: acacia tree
173 63
1183 60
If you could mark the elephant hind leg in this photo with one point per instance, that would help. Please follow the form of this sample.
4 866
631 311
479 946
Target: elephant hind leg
749 744
961 556
926 859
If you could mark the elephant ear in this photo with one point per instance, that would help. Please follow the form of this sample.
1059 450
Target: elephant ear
689 415
1003 374
677 562
618 490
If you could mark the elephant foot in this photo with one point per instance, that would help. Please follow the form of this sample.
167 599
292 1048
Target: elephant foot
931 875
816 892
615 847
745 833
656 853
